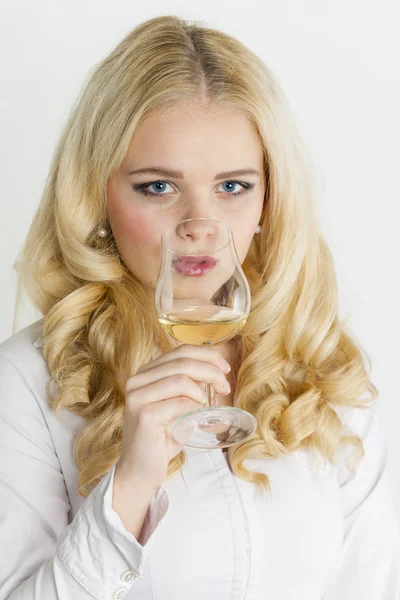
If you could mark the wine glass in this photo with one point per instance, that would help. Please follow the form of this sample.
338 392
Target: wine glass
202 297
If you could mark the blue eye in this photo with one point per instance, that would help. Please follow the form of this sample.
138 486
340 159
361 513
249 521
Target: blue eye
236 183
142 188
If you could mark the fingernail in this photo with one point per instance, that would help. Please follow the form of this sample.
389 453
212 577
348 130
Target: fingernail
227 387
226 366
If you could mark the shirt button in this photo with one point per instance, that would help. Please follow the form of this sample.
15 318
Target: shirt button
119 593
127 575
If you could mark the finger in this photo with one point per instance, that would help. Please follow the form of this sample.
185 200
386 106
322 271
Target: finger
163 413
166 388
203 372
203 353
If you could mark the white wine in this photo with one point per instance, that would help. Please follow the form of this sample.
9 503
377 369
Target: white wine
202 325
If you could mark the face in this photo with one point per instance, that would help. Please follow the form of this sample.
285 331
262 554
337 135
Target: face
201 143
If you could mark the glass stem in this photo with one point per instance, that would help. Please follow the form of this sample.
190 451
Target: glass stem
209 387
209 395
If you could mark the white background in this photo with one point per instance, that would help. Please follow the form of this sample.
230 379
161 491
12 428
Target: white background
339 65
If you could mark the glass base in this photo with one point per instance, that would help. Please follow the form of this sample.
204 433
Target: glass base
216 427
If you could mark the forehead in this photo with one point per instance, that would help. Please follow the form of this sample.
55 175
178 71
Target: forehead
195 135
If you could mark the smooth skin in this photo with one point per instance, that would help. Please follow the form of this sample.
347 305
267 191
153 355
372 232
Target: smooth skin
160 392
200 142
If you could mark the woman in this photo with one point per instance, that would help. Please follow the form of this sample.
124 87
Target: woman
98 501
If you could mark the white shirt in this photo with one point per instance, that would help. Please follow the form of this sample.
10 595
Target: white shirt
322 534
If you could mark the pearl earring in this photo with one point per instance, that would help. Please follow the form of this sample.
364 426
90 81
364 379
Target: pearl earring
101 232
258 229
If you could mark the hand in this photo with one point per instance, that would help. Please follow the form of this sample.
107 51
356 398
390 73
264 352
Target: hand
159 392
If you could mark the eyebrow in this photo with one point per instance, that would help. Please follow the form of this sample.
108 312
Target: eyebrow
179 174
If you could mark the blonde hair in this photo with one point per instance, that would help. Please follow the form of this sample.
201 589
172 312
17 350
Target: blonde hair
296 363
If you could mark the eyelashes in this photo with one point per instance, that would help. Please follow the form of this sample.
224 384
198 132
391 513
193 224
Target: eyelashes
142 188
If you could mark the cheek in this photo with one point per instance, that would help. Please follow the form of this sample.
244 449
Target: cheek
135 228
243 239
130 226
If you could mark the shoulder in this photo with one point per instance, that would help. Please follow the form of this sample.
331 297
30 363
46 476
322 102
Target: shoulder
24 343
361 420
24 376
23 369
367 423
23 350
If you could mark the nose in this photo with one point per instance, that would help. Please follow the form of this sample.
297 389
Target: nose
197 230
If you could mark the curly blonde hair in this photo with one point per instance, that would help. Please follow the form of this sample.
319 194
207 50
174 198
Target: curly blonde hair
296 361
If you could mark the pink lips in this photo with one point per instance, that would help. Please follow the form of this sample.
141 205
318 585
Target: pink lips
194 265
